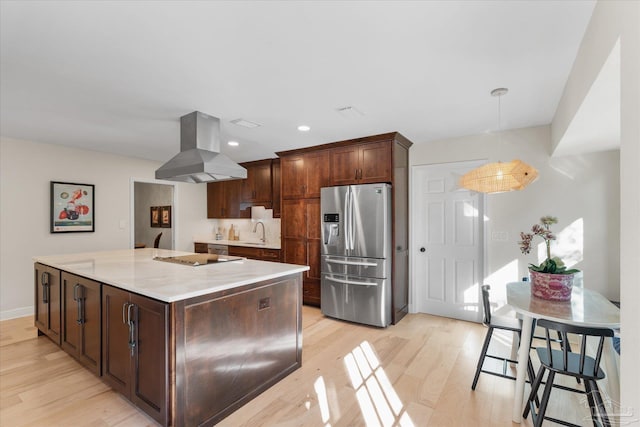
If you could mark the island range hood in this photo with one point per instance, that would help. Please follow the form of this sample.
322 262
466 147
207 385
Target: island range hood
199 159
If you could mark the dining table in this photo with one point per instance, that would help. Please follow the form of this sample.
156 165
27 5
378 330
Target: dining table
585 308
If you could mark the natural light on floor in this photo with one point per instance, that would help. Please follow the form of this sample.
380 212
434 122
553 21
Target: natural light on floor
379 403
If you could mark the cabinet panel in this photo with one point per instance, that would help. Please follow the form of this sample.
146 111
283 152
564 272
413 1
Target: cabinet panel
81 320
275 189
150 381
344 165
317 173
293 177
47 310
200 248
223 199
257 186
375 162
135 349
361 163
303 175
294 224
116 357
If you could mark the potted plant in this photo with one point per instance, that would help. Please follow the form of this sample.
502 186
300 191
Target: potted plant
551 279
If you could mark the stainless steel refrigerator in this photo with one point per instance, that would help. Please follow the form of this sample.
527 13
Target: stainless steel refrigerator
356 253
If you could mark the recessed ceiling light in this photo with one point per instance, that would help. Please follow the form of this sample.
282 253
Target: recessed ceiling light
304 128
233 143
245 123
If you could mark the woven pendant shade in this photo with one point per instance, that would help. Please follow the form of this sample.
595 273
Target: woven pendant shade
499 177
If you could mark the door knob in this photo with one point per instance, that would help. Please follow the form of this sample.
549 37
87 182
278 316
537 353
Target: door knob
422 249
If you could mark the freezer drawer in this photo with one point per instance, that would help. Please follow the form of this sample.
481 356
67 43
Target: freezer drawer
356 299
354 266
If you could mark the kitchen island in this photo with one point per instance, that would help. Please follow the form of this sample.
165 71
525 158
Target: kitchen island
186 344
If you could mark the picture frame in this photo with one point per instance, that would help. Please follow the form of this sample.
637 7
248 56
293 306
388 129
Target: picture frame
165 216
72 207
155 216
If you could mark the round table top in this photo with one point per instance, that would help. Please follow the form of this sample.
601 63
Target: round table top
586 307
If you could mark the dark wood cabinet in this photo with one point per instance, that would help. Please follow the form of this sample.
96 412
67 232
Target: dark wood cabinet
223 199
233 199
275 187
262 254
81 320
257 186
361 163
47 317
372 159
232 345
200 248
303 174
135 345
301 243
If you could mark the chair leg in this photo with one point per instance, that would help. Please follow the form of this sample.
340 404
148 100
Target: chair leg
593 409
598 398
545 399
533 395
485 347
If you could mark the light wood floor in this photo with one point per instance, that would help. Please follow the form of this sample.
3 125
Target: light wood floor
415 373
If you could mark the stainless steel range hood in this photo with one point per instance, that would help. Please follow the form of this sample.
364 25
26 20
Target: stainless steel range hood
200 159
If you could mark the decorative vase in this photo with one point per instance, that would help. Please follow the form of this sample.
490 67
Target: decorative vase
554 287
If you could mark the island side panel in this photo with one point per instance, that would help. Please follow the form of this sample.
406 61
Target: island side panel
233 345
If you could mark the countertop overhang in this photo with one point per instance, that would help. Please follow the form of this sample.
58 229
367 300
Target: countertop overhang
135 270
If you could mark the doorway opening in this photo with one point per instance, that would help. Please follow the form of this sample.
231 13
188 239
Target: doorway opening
153 214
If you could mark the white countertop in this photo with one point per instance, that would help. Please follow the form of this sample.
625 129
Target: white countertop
135 270
248 244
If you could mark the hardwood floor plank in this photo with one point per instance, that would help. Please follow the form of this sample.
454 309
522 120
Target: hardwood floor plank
416 373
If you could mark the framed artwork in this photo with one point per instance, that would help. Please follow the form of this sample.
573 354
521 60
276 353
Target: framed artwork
155 216
165 216
72 207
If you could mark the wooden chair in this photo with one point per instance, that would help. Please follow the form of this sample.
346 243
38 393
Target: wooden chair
565 362
156 242
503 323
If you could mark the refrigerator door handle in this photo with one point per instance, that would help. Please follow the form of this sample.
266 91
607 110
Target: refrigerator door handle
352 228
363 263
352 282
347 221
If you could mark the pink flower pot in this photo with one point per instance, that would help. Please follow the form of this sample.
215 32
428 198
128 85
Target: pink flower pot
555 287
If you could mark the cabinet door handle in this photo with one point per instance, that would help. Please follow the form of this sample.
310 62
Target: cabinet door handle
44 279
124 311
132 328
78 295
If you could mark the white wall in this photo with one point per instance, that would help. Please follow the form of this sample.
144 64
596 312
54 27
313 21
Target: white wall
26 169
612 20
571 188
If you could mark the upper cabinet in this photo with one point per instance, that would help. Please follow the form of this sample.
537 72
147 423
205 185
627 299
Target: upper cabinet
361 163
257 186
233 199
223 199
304 174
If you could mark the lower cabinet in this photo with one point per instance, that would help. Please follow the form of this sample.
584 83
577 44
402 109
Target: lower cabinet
135 349
262 254
81 320
47 301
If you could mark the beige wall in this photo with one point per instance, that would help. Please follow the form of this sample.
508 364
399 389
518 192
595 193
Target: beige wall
613 20
26 168
572 188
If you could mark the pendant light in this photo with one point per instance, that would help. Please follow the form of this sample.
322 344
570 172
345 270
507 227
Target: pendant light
499 177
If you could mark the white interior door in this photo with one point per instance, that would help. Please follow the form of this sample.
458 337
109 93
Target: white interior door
448 242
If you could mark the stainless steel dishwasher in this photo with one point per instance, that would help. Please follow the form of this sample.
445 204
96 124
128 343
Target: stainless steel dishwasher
213 248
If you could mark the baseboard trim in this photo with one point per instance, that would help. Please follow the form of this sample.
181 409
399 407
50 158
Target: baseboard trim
16 312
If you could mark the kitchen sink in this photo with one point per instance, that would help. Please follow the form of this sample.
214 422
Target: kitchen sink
253 243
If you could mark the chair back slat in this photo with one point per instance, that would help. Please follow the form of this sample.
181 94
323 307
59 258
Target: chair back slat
486 304
565 329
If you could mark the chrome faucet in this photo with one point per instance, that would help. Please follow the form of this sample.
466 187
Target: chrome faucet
255 227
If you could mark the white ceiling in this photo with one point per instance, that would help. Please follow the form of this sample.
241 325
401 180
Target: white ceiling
116 76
